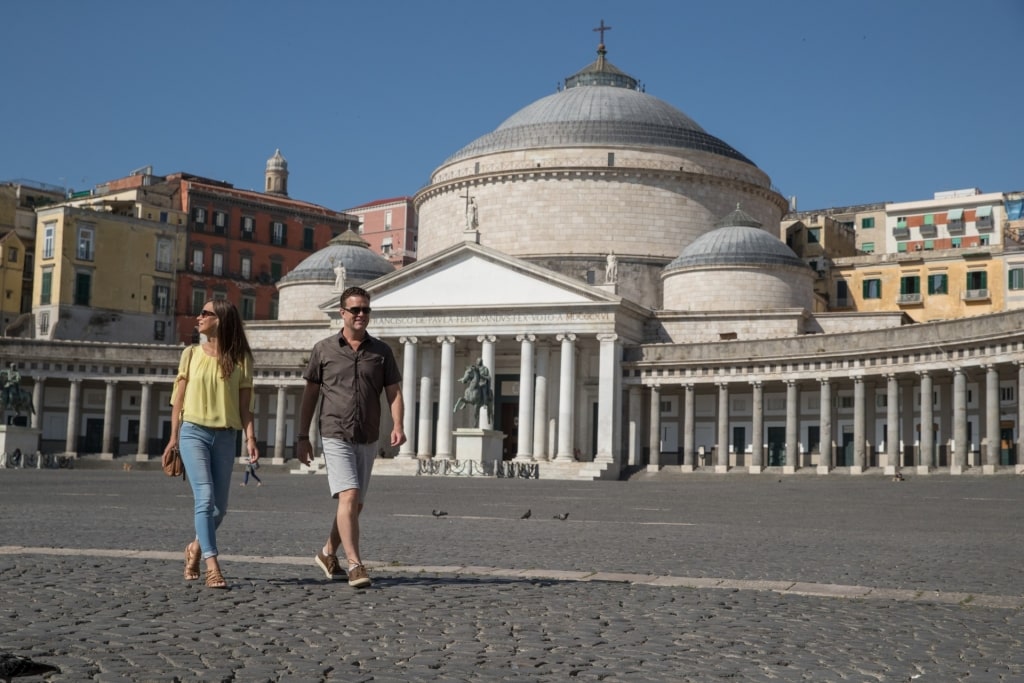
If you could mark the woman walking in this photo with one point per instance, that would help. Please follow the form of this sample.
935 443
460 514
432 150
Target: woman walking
212 402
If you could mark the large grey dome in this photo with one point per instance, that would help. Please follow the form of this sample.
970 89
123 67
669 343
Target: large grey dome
361 264
599 106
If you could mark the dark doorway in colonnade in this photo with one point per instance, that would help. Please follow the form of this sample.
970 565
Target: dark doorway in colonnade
1006 445
814 440
844 458
739 445
93 441
506 413
776 446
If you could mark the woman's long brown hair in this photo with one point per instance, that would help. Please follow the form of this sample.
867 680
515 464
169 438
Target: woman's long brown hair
231 341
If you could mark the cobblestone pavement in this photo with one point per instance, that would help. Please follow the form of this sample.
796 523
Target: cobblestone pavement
667 578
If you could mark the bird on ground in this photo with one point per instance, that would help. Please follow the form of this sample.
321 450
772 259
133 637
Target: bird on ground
898 477
438 513
564 516
526 515
14 666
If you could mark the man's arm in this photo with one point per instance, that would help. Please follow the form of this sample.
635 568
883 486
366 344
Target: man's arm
394 396
303 448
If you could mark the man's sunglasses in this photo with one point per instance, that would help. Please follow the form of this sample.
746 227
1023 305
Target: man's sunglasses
358 310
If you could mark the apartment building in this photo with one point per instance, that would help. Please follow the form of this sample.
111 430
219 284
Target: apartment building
389 226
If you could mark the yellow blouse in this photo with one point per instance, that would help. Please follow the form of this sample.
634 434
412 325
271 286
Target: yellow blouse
209 400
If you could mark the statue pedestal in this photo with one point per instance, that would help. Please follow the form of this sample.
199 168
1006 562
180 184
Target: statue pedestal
482 446
14 438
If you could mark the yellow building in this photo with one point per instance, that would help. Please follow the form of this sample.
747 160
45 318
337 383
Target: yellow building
105 275
12 278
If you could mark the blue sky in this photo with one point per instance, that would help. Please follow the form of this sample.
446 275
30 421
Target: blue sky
839 102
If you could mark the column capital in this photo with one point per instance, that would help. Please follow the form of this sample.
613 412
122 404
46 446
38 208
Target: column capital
566 336
110 381
487 338
607 337
824 380
790 382
756 383
446 339
408 340
526 338
655 386
959 371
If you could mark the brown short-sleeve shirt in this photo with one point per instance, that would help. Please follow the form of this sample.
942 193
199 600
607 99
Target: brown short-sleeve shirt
351 382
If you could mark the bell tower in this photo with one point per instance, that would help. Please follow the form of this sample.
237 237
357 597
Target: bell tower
277 175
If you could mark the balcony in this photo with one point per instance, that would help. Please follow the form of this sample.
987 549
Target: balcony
909 299
984 224
901 231
955 227
976 295
929 230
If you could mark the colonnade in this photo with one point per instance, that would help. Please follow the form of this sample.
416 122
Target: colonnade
952 423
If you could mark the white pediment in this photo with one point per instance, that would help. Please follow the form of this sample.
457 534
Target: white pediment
475 278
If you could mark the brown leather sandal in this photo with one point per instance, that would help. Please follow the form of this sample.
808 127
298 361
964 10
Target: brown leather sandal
192 562
214 579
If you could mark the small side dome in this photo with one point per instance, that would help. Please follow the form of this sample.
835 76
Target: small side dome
346 261
277 162
737 266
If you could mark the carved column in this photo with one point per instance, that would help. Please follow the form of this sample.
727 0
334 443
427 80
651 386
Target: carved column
566 397
408 449
825 428
145 399
426 422
280 428
722 461
991 420
74 417
487 356
688 428
757 429
109 421
526 381
892 424
859 445
960 445
926 450
636 416
609 400
654 443
445 400
540 405
792 428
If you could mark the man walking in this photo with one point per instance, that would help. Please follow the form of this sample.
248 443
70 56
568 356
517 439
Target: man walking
348 372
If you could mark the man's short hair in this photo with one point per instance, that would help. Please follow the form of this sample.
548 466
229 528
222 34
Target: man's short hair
353 291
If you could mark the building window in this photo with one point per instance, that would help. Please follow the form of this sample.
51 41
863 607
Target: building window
220 295
275 271
872 289
983 240
46 288
938 283
929 245
83 288
977 279
814 235
842 293
49 235
220 222
611 158
198 300
1016 278
277 234
86 237
159 329
164 256
955 242
197 260
910 284
387 219
12 255
868 247
44 322
248 307
200 216
307 238
273 307
161 299
901 247
866 223
1007 394
246 268
218 263
385 245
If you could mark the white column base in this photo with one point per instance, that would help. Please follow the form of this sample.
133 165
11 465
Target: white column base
686 468
274 461
855 469
988 469
956 469
653 468
755 469
142 457
890 470
719 469
789 469
923 469
106 456
823 469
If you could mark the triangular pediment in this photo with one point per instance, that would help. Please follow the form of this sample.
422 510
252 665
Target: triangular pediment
469 275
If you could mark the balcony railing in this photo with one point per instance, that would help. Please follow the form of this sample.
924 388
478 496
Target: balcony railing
901 232
975 295
929 230
910 298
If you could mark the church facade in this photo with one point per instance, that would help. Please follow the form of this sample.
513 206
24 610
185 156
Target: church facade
618 270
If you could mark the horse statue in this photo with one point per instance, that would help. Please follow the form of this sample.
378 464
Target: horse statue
478 393
12 396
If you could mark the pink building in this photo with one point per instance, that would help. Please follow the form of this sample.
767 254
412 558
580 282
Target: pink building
389 226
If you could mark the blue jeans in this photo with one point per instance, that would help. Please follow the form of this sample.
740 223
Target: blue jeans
208 456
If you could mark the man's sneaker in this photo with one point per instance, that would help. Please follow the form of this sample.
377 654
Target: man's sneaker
357 577
329 563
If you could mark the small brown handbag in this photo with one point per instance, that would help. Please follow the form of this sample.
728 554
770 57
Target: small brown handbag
172 464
